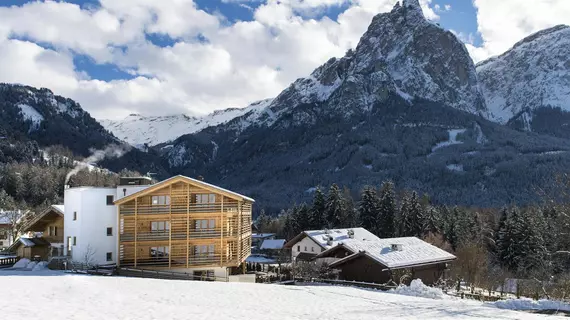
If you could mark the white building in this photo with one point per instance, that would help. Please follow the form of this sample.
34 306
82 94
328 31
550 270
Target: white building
91 220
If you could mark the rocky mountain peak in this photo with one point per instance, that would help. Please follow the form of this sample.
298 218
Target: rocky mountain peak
401 53
534 73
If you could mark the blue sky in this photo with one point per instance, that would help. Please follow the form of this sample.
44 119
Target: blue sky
156 57
461 18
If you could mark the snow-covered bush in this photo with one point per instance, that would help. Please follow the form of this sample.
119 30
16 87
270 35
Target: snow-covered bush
418 289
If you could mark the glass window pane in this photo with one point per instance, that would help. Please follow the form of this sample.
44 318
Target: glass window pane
212 198
212 224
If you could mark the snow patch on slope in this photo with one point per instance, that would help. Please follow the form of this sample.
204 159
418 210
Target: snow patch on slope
452 139
31 114
418 289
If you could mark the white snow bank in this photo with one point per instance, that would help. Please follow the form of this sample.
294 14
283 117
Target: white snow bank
529 304
40 266
22 263
89 298
452 139
418 289
31 265
29 113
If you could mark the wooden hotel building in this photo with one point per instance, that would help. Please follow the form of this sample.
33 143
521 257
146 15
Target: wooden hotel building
183 223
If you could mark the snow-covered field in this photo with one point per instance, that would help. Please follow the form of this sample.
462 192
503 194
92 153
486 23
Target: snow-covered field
90 297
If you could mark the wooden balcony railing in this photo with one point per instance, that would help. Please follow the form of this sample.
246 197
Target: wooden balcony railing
194 234
179 209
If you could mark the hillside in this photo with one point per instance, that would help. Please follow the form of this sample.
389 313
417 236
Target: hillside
129 298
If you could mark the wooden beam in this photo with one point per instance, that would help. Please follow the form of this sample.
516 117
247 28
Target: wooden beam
136 227
170 228
222 231
187 225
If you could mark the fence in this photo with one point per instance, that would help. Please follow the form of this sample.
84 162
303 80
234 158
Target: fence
367 285
8 261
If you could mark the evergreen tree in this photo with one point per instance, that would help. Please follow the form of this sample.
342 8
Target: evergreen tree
412 218
335 208
369 209
450 229
263 221
302 216
386 211
432 220
318 218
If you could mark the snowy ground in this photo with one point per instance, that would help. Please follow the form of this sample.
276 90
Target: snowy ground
90 297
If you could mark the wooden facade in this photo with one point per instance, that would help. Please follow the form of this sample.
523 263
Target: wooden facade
184 223
49 223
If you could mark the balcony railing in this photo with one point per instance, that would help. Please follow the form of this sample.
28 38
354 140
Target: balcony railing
179 209
193 261
194 234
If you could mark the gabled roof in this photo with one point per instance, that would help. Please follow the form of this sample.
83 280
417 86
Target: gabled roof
275 244
414 252
262 235
321 237
181 178
57 208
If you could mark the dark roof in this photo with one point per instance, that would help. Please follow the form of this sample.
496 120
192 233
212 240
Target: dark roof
305 256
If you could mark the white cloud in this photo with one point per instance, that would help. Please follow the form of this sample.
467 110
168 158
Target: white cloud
239 63
447 7
503 23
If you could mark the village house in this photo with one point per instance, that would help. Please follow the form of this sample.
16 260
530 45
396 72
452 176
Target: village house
179 224
258 238
308 244
382 260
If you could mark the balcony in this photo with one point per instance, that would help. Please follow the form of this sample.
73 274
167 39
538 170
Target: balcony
193 261
194 234
179 209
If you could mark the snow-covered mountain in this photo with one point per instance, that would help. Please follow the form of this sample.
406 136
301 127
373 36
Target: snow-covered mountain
534 73
139 130
403 53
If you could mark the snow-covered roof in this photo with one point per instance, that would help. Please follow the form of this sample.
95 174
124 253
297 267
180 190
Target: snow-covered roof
322 237
262 235
413 252
273 244
197 182
59 207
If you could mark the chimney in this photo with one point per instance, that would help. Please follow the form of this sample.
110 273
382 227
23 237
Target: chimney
350 233
200 178
329 240
396 247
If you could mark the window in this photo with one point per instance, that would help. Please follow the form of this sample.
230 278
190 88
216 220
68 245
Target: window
159 252
205 224
52 231
74 241
205 198
3 235
299 248
160 200
74 215
159 226
312 249
204 250
1 243
110 200
109 256
69 243
109 232
306 249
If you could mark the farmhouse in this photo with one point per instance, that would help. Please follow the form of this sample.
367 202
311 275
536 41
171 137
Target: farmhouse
5 233
382 260
308 244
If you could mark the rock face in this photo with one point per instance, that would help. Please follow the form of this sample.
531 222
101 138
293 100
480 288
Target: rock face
401 53
535 73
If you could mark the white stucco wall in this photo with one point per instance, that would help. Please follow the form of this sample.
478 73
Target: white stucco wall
94 216
125 191
305 245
